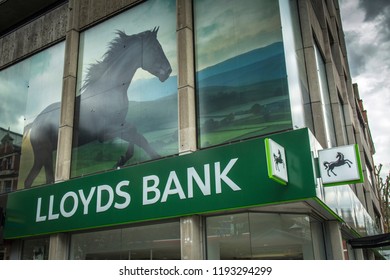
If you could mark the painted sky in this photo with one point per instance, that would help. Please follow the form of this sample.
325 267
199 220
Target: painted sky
219 28
146 16
366 25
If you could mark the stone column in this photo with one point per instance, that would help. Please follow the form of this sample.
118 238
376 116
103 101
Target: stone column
59 243
359 254
186 77
191 238
59 246
190 227
335 239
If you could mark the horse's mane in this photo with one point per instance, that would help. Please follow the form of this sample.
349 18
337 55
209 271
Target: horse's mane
96 70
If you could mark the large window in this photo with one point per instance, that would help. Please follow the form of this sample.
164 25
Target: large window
36 249
151 242
342 119
325 99
30 94
126 107
259 236
241 80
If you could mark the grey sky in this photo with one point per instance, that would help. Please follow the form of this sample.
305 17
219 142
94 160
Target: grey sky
366 25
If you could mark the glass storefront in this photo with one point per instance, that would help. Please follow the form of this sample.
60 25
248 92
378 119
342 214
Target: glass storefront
259 236
149 242
237 236
36 249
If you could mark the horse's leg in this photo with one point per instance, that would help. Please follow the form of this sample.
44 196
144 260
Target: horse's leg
140 140
129 153
36 168
38 161
42 159
132 136
48 165
331 170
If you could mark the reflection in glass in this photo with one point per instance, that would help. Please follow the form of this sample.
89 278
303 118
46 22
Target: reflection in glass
342 200
259 236
228 237
151 242
10 151
36 249
30 93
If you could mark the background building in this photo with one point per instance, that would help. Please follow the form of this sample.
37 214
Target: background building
145 126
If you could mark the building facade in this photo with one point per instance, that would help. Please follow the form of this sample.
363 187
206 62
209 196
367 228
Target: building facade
184 129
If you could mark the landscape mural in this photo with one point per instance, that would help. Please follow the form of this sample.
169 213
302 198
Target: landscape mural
126 108
241 78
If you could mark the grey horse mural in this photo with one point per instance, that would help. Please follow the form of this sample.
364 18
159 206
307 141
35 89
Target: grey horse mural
102 106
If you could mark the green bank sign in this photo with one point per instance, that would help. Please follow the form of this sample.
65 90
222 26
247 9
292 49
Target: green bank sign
226 177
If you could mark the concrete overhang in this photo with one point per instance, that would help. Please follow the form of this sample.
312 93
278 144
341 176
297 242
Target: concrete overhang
15 13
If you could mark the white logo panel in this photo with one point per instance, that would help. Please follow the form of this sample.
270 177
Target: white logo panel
277 161
339 165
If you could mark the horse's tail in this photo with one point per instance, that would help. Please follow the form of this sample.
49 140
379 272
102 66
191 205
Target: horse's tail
326 164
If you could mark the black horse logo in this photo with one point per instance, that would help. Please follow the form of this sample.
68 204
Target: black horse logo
329 166
278 160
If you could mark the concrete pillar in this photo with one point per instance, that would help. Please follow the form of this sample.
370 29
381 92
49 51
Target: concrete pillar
64 150
15 248
186 77
359 254
335 239
190 227
371 255
59 243
191 238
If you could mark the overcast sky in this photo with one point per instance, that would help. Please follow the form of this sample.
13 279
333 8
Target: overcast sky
366 25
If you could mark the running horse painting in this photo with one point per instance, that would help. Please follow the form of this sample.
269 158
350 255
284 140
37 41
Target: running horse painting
102 106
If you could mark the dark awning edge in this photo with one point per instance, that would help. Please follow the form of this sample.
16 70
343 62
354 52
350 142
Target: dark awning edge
374 241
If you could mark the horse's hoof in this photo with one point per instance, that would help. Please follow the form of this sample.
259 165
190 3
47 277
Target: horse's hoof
120 162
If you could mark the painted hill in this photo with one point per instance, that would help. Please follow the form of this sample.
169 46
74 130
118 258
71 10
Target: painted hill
255 66
258 76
